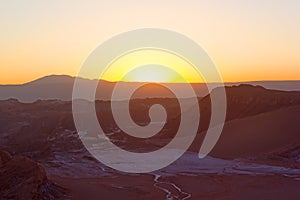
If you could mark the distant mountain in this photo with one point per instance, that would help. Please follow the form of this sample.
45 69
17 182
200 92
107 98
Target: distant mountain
60 87
274 85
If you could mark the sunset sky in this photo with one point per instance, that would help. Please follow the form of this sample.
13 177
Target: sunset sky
247 40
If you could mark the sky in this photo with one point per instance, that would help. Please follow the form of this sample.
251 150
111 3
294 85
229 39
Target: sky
247 40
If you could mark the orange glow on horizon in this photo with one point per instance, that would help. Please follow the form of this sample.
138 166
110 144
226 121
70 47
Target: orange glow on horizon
257 40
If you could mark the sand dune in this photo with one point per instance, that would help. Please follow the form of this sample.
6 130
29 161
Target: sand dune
259 134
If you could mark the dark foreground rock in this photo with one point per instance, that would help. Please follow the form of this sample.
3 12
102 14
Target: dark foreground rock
22 178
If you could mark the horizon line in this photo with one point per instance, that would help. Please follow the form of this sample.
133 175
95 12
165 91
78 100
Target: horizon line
70 76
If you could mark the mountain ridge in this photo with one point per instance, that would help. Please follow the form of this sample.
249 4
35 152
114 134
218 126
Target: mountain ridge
60 87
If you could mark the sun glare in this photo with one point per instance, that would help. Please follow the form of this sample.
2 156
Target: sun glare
153 73
151 65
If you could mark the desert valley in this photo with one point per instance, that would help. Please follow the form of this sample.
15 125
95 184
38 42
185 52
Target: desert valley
257 156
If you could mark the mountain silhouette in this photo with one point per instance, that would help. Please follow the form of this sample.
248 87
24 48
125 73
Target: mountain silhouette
60 87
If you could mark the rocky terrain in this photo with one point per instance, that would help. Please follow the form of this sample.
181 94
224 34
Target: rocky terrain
257 155
22 178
